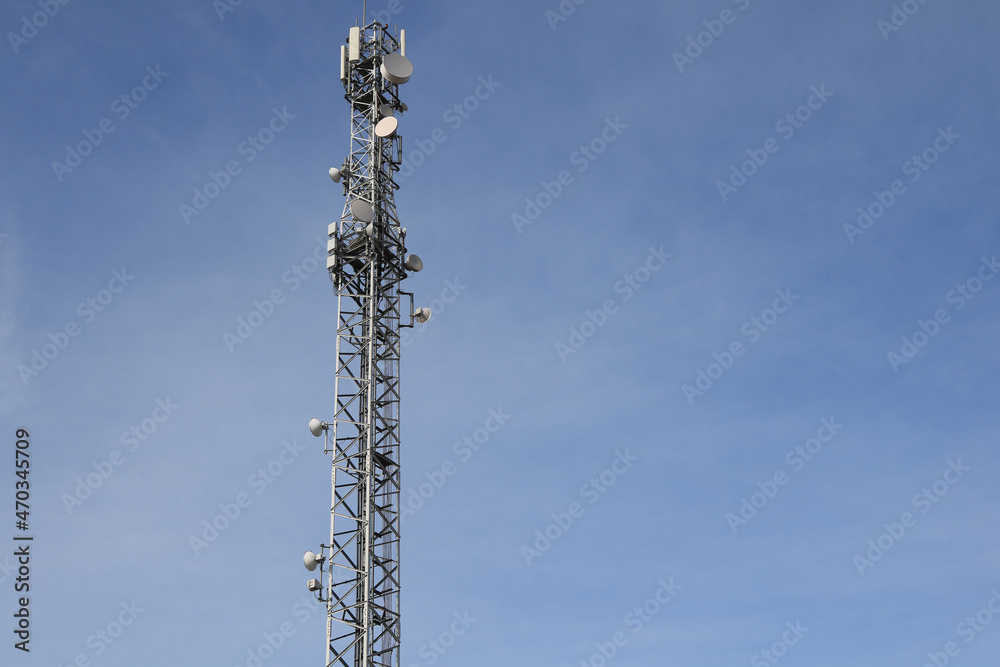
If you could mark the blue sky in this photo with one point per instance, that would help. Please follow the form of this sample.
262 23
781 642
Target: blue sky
666 352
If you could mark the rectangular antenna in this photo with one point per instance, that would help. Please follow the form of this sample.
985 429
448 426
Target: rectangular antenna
402 43
355 42
343 62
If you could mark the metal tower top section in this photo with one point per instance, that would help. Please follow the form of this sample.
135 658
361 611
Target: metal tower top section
373 64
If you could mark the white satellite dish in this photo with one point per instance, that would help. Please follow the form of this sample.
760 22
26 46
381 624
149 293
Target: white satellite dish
362 210
386 127
396 68
335 174
311 560
421 315
316 427
414 263
385 111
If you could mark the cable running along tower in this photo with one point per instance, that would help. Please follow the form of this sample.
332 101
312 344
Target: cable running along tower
367 262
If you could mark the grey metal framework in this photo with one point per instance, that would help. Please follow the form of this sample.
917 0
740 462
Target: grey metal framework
360 566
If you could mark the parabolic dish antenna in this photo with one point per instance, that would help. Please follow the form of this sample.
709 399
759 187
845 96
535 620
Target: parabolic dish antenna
386 127
385 110
362 210
414 263
396 68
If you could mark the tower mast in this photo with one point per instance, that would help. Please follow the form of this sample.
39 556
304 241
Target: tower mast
367 262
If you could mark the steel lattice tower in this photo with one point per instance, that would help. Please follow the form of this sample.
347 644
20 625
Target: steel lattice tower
367 263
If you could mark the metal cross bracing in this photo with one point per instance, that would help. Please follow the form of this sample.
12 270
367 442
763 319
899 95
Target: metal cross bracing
366 264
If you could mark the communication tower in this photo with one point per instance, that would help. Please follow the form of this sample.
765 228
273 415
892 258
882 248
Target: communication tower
367 262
